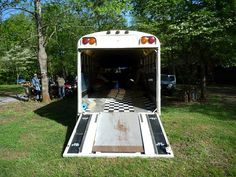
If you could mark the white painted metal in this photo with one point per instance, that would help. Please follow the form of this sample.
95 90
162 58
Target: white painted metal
113 155
71 137
146 135
164 133
79 83
158 80
146 138
90 135
117 41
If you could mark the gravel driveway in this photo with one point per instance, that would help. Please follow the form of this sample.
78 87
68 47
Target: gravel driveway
7 99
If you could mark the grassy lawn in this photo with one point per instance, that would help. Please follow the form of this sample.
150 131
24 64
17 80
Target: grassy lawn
9 90
202 136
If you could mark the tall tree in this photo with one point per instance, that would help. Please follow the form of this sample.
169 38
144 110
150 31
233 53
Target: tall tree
34 8
104 14
16 61
66 27
190 32
17 37
42 55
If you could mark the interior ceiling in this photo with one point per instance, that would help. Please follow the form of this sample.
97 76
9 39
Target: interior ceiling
120 52
126 52
118 57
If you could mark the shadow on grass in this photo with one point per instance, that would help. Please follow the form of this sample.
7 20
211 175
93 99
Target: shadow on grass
62 111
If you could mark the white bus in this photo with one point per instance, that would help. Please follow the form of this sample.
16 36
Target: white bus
119 98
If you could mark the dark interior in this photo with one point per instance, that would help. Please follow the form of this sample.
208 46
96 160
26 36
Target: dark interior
118 58
117 68
112 69
127 74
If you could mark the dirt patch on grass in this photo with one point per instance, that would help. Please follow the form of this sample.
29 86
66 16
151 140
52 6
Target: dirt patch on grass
229 100
10 154
7 120
226 90
30 139
203 127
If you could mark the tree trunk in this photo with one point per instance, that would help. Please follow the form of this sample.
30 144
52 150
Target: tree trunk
42 55
203 81
173 63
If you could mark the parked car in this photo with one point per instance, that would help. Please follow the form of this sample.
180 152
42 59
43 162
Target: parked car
168 83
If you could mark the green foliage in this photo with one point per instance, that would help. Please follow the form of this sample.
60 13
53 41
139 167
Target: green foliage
17 51
192 33
9 90
62 32
103 15
71 20
64 22
17 61
16 29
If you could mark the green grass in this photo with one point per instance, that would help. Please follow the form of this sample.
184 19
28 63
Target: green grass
202 136
9 90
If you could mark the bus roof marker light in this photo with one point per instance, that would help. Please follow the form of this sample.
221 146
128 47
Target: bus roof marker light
118 32
126 32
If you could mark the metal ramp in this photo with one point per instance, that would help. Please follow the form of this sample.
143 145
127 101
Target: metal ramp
118 135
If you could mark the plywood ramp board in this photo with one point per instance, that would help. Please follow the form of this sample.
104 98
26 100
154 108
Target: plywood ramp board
118 132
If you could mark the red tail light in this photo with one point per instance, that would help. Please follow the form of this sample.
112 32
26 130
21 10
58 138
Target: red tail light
151 40
148 39
85 40
89 40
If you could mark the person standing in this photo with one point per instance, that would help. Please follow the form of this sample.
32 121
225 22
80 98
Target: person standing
61 86
36 86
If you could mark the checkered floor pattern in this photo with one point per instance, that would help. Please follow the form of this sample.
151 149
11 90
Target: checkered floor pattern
112 105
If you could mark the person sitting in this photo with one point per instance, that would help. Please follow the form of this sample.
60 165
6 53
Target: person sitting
36 86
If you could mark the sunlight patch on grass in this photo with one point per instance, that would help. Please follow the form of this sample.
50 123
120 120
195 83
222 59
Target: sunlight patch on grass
12 154
8 90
